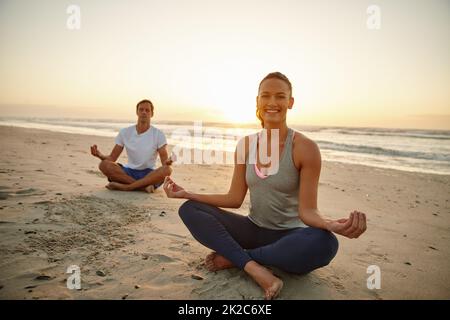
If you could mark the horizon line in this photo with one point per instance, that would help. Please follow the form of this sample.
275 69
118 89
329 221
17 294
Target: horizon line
228 124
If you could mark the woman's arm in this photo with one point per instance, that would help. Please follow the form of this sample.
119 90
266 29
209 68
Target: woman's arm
232 199
310 165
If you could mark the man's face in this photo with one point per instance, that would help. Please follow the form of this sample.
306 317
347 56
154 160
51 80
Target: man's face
273 100
144 111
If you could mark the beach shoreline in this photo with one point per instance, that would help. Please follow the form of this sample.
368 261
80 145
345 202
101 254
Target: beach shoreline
55 213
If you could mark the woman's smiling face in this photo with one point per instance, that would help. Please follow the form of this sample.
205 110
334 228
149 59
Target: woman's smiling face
273 100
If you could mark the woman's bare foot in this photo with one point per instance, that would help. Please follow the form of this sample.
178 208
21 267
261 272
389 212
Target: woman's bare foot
265 279
117 186
215 262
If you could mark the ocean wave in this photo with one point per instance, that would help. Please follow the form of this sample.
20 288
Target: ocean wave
440 135
383 151
417 150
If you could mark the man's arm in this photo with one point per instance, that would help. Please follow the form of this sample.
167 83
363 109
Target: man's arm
164 156
115 153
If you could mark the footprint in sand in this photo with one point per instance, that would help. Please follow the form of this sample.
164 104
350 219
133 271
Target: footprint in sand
25 192
162 258
335 282
30 192
97 173
373 254
3 194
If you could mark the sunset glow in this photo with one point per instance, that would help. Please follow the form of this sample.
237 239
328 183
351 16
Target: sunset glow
203 60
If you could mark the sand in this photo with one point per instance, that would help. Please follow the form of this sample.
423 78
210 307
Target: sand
56 212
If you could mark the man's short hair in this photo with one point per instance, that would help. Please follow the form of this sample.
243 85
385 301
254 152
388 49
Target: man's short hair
144 101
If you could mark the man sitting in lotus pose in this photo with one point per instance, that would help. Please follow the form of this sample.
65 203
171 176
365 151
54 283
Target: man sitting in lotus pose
143 144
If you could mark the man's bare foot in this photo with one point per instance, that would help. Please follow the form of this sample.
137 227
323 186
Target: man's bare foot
116 186
149 189
267 281
216 262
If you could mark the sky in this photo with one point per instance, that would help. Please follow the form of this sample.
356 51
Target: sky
203 59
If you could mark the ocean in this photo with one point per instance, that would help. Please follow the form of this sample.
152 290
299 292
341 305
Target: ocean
425 151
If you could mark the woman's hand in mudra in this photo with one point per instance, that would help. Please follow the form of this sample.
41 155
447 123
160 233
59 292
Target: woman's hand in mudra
172 189
351 227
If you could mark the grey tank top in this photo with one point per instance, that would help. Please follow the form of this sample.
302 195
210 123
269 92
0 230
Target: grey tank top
274 199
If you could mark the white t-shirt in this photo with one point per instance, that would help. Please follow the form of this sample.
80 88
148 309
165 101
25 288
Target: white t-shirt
141 148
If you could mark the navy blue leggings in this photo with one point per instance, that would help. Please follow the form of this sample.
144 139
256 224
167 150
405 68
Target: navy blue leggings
238 239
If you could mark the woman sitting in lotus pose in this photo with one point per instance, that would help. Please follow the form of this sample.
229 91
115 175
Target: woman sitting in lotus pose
284 228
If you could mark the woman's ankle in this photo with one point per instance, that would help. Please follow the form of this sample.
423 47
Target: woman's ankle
264 278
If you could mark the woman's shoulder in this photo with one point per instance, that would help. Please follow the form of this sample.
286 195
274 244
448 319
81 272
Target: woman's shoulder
243 147
251 136
246 140
302 140
304 148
